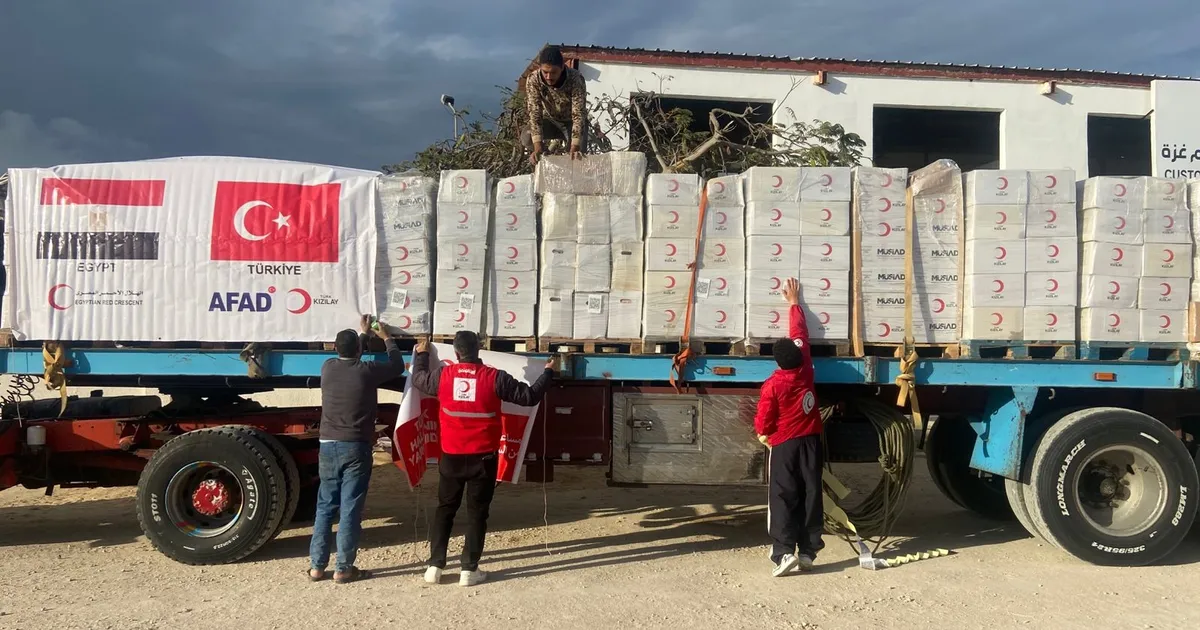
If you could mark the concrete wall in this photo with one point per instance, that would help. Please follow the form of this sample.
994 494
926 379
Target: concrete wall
1036 131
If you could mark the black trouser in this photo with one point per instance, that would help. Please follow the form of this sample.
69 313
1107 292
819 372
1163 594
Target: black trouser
476 474
795 514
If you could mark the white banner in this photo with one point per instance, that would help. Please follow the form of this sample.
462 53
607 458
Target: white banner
1176 129
189 249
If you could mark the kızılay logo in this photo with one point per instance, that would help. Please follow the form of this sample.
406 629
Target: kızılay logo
297 301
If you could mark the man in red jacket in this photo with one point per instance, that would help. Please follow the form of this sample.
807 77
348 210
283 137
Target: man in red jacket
469 395
789 423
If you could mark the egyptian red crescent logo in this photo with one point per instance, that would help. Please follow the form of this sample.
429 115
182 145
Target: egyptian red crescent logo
774 317
1001 253
722 284
1053 183
719 187
670 282
513 252
463 217
1116 288
509 188
670 315
776 214
1002 183
885 229
1051 318
826 284
884 329
512 218
887 204
721 317
1166 321
827 180
826 214
778 249
720 249
939 305
827 249
674 217
1170 221
463 250
406 277
1166 289
671 249
1002 218
463 282
405 322
1118 254
52 297
1052 216
510 317
721 218
778 182
403 253
999 284
775 284
513 283
1121 224
673 185
823 317
460 316
997 319
1168 256
462 181
306 301
1053 251
1051 285
1120 191
1116 319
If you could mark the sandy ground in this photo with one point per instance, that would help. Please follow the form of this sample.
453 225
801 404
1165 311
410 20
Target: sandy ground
610 557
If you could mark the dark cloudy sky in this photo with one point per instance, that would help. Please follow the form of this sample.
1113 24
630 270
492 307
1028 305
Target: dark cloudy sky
356 82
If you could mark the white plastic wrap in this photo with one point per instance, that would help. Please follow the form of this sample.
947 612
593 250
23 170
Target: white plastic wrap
765 218
1164 194
673 189
996 187
515 222
515 191
825 287
1162 326
1108 292
450 317
725 221
628 267
1049 323
871 182
830 218
559 174
725 322
468 187
994 289
1167 226
995 222
825 184
625 315
672 221
404 277
715 287
667 287
995 256
725 254
1163 293
560 221
628 173
670 254
725 191
1051 288
663 319
773 252
1109 324
625 219
408 324
558 264
460 254
452 284
1054 186
592 220
1125 225
463 221
826 253
593 268
556 314
994 323
514 255
765 286
1113 193
772 184
510 320
1047 219
1112 259
1162 260
591 316
512 287
404 253
827 322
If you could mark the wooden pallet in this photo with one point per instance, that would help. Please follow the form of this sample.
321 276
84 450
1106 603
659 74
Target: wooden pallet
1119 351
510 344
924 350
818 347
976 349
590 346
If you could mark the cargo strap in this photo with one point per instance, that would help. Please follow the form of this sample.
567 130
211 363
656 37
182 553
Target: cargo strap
680 361
907 380
54 362
254 355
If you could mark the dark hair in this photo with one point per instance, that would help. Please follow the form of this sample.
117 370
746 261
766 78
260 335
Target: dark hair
347 345
550 55
787 354
466 345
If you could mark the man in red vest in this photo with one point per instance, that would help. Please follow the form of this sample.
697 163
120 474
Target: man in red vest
469 395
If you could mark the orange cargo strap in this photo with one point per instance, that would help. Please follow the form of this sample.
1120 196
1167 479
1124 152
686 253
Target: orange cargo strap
680 361
907 379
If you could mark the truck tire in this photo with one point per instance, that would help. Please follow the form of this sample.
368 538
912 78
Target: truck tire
1015 491
291 473
1112 487
211 496
948 454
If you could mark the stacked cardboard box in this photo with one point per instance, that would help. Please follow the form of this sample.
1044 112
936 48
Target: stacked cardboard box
512 263
673 211
404 261
719 307
995 260
1136 260
1193 204
463 219
1051 258
772 226
880 225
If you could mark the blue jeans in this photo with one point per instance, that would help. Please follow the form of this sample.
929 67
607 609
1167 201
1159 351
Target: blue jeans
345 469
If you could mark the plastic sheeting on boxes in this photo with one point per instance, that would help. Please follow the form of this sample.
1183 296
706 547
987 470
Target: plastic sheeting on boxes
994 323
1053 186
724 254
663 319
628 267
450 317
766 286
996 187
673 189
1049 323
1162 326
890 183
461 254
827 322
994 290
510 320
408 324
824 287
1113 193
1113 226
625 315
1164 260
670 254
590 316
1109 324
464 187
515 191
995 222
1051 288
831 218
463 221
558 264
515 222
404 253
406 223
765 218
1108 291
593 268
995 256
725 222
825 252
672 222
1052 254
1163 293
512 287
773 184
625 219
1164 194
1045 220
725 191
405 301
628 173
825 184
1112 259
560 220
668 287
773 252
404 277
556 314
725 322
559 174
1167 226
715 287
592 220
451 284
514 255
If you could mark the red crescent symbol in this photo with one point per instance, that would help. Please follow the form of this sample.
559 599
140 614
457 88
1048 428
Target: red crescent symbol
720 186
778 181
1171 191
827 180
999 286
1003 253
407 322
50 297
513 252
1116 319
887 204
721 218
509 188
465 387
464 215
774 317
463 250
1052 285
775 284
1170 221
1120 190
887 330
823 317
407 277
778 249
463 282
1116 288
1053 216
1120 254
1166 321
724 284
1003 183
511 317
826 214
1051 319
1122 225
670 316
462 180
997 319
941 206
674 217
885 229
513 283
720 249
1003 218
939 305
512 218
671 249
403 252
1166 289
670 282
828 249
673 186
721 317
460 317
403 185
887 180
776 214
1053 251
305 305
826 284
1170 256
1053 183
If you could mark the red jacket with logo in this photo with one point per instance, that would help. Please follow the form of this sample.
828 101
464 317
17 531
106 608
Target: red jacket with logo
787 406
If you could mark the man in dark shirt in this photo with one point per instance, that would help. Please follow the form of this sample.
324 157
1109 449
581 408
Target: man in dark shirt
470 395
349 405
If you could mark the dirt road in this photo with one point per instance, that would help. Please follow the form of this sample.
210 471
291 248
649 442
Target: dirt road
610 557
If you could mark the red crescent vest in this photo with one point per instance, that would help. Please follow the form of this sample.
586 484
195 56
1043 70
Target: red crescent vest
469 412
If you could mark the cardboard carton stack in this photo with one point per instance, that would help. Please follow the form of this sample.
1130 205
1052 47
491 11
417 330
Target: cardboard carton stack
463 218
995 260
404 262
1167 262
1051 258
719 307
880 225
512 293
772 228
672 219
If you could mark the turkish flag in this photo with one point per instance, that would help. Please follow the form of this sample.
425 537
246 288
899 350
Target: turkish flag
271 222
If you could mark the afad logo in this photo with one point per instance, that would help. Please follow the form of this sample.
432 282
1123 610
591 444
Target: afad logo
297 301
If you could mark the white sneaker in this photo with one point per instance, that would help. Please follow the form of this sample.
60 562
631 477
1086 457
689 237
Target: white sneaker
471 578
805 562
786 563
433 575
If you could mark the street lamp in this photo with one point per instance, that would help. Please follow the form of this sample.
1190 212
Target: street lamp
448 103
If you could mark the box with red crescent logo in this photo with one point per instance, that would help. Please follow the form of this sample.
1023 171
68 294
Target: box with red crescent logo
1109 324
1050 323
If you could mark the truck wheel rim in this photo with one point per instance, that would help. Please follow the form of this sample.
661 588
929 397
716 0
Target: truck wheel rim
1122 490
204 499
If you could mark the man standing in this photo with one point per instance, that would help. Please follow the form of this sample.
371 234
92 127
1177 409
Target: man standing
469 396
349 405
788 422
556 102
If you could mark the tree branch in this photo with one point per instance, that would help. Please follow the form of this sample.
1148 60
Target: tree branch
649 135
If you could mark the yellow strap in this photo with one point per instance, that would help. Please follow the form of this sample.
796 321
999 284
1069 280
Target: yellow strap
54 360
907 381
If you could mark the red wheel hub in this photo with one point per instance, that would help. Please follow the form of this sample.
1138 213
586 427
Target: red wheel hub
211 497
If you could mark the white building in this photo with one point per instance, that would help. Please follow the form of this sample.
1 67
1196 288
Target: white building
909 114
